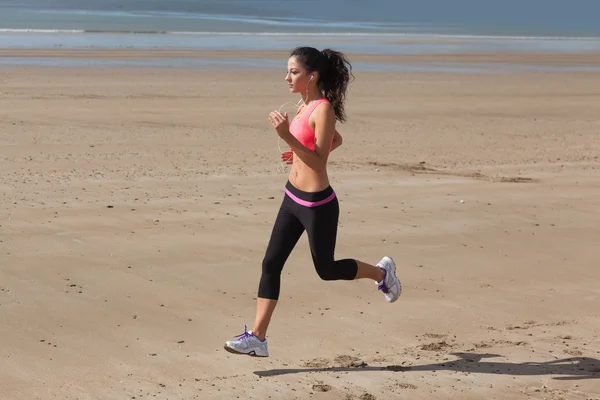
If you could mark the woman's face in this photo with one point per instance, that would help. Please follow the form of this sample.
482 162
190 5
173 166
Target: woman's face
297 76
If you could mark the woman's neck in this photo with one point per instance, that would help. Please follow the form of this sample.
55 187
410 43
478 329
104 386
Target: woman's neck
311 95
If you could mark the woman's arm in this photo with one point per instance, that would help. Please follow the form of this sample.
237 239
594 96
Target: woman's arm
337 140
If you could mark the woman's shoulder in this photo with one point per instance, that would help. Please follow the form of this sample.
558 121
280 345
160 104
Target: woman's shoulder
323 115
323 107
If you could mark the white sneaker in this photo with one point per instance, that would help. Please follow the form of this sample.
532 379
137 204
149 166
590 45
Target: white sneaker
390 285
248 343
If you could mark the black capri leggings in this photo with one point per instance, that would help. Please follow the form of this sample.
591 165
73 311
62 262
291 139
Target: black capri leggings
317 213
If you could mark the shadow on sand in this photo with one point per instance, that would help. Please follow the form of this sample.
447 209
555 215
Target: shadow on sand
566 369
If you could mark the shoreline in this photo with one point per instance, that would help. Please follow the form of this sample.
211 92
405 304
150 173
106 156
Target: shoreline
543 57
490 62
375 44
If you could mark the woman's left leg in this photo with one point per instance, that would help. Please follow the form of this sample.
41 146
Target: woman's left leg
321 227
319 214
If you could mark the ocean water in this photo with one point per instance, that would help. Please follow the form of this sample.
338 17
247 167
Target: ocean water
462 17
375 26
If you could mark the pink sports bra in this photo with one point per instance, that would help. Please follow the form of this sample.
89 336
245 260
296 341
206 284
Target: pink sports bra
300 126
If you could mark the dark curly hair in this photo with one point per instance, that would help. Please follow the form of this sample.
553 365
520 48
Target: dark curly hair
334 74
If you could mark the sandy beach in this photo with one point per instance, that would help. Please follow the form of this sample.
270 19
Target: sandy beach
136 205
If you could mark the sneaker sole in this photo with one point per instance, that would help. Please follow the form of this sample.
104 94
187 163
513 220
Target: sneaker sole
251 354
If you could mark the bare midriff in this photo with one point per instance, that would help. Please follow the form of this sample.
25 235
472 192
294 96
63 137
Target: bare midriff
302 176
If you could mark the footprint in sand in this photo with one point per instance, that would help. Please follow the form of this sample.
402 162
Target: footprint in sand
321 387
436 346
532 324
404 386
435 335
367 396
317 363
346 361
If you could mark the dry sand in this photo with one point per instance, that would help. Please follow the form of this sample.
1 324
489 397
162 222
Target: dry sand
136 204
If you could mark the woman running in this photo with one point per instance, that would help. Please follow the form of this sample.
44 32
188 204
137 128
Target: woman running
310 203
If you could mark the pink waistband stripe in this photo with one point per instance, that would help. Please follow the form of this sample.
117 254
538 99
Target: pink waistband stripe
310 203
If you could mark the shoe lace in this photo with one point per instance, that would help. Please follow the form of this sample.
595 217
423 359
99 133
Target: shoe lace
244 335
382 286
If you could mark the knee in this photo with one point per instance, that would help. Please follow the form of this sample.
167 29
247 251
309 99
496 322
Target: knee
326 270
270 265
270 280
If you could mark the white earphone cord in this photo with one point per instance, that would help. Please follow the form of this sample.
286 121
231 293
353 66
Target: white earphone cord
282 167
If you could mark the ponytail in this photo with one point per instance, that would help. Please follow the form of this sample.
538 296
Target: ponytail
334 74
334 81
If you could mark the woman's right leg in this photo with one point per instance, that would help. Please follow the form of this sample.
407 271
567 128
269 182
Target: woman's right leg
286 232
284 236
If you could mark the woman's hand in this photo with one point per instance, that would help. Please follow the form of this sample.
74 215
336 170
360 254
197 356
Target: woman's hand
287 157
280 123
